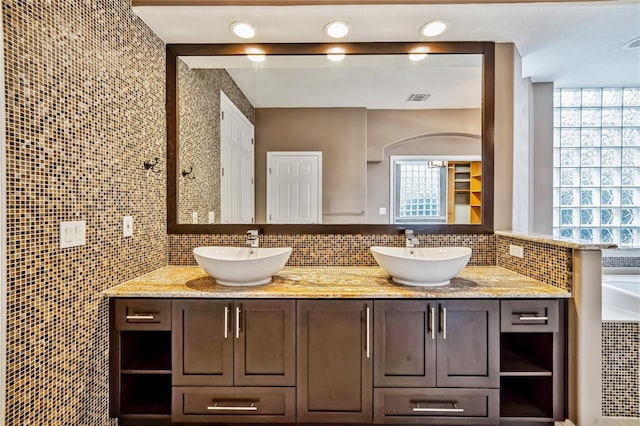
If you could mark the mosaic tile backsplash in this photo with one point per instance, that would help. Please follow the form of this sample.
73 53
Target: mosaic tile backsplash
85 102
544 262
332 249
620 369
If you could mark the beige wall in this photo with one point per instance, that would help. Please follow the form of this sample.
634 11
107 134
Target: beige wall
385 127
506 54
340 133
542 159
416 132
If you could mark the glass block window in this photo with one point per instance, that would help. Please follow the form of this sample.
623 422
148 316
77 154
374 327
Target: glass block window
419 191
596 165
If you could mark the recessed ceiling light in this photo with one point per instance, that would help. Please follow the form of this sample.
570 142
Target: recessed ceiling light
255 55
336 29
335 54
433 28
418 54
242 29
632 44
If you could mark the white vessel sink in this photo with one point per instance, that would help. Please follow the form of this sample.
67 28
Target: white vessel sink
422 266
242 266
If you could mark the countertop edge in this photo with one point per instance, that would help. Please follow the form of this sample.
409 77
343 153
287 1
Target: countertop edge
560 242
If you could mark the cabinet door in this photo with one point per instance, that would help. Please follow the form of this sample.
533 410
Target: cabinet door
264 338
202 343
468 343
404 343
334 361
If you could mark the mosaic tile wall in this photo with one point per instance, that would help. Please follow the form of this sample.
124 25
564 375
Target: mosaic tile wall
85 103
544 262
332 249
621 262
620 369
199 100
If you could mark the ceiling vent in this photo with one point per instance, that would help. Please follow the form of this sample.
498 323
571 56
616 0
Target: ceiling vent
418 97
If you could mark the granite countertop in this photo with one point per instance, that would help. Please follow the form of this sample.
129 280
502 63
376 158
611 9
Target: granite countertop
334 283
556 241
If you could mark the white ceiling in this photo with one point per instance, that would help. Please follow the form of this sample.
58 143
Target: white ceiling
570 44
374 82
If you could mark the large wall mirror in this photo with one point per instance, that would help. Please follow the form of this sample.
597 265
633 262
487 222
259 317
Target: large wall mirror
350 138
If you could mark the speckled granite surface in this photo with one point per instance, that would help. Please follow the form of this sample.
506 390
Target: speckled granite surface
335 282
560 242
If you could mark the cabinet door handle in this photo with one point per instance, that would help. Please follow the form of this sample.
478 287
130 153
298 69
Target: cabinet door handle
529 317
217 407
444 323
368 311
443 310
238 311
141 317
433 323
454 408
226 322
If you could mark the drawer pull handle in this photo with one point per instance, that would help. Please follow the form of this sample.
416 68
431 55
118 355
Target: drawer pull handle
523 317
141 317
217 407
454 409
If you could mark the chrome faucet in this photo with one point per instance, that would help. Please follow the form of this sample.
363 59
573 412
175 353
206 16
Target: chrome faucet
410 239
252 238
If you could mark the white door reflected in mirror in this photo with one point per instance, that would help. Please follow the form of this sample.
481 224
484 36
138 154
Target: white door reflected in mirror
294 187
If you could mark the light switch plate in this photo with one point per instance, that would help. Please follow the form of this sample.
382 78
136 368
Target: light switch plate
517 251
73 233
194 217
127 226
382 210
212 217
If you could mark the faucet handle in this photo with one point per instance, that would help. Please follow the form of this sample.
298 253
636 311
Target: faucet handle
408 233
252 232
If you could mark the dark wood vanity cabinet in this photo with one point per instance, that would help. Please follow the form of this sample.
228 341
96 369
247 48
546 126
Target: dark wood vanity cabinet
532 362
444 343
334 361
232 360
436 361
140 359
430 362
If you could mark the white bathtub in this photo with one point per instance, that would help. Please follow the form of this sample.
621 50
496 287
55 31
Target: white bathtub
621 298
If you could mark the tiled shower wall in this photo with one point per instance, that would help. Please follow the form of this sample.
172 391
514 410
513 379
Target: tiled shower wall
333 249
620 369
85 109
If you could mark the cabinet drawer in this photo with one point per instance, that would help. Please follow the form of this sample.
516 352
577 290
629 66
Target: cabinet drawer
143 314
529 316
233 405
441 406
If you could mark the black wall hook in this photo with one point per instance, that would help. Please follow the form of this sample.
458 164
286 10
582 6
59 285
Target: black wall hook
187 174
153 166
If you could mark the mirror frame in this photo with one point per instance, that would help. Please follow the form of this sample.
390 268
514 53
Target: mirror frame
487 49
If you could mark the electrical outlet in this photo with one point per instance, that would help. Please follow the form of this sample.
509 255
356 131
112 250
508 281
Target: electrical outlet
194 217
382 210
212 217
73 234
127 226
517 251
